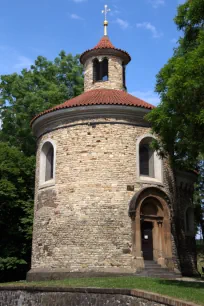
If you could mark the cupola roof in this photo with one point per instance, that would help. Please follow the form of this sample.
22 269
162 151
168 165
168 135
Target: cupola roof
104 43
105 47
100 97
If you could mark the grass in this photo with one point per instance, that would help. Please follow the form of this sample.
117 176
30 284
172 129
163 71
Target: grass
189 291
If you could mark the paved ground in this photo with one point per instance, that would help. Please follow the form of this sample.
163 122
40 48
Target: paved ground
190 279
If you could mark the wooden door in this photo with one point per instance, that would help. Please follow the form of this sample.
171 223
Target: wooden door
147 240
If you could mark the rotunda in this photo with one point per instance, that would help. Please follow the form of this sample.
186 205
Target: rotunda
104 200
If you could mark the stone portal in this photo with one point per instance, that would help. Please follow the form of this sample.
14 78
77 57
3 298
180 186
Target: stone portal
151 217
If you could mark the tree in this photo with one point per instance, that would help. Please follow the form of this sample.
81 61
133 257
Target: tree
23 96
16 198
179 119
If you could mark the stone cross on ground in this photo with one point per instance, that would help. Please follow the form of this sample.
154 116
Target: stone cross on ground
105 12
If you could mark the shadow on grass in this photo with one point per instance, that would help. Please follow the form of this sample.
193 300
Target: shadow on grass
183 284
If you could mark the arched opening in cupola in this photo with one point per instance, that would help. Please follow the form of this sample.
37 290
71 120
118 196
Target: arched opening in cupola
100 70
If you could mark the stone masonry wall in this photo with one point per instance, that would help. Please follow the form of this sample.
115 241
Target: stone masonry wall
81 222
85 225
115 74
22 298
63 296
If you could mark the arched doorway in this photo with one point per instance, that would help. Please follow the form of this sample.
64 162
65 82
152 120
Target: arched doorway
151 219
151 225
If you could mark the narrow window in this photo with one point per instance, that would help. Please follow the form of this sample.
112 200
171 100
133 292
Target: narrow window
104 70
146 160
49 164
96 70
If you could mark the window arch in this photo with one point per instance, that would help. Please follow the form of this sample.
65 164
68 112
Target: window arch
149 164
47 156
100 70
189 220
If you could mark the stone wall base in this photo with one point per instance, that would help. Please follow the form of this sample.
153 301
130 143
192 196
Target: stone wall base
58 274
61 296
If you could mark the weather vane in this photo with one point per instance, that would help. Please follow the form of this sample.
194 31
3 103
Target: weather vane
105 12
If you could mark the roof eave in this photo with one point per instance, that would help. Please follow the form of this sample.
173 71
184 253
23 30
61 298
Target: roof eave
105 51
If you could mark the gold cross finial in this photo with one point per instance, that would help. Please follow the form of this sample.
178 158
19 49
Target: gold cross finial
105 12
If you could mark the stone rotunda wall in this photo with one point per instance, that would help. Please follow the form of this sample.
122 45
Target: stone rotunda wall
81 221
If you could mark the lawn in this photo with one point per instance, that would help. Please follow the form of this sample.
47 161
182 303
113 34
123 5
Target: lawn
189 291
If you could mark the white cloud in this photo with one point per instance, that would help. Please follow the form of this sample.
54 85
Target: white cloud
156 3
148 26
148 96
23 62
122 23
114 11
76 17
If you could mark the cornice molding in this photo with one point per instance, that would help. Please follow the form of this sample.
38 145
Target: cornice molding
60 118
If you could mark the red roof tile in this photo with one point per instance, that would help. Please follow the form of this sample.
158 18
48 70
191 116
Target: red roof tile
105 43
100 97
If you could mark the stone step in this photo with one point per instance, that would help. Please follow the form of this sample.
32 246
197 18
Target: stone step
152 269
164 276
158 271
151 264
161 275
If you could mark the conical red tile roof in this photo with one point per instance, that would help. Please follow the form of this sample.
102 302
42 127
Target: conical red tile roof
100 97
103 45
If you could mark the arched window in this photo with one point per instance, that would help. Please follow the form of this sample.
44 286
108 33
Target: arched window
146 160
189 220
100 70
149 164
47 162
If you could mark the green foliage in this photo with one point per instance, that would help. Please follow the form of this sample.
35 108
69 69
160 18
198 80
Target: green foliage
23 96
16 198
179 119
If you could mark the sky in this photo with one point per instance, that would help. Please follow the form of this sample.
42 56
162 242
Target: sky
143 28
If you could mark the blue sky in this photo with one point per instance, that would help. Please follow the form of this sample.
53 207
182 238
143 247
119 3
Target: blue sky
144 28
